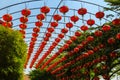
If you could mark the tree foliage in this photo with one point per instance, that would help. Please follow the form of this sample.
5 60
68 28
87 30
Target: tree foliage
12 54
41 75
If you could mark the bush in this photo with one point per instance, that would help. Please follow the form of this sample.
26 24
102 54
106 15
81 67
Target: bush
12 54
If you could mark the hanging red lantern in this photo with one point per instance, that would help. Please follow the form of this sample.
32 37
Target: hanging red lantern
57 17
74 18
73 38
78 33
54 43
61 35
32 43
26 12
33 39
38 23
118 36
43 43
98 33
69 41
34 34
57 39
7 24
36 29
116 21
46 38
84 28
64 9
90 38
48 34
82 11
45 9
106 28
111 40
22 31
90 22
66 46
96 78
64 30
99 15
23 19
54 24
7 17
76 49
69 25
113 54
40 16
23 26
50 29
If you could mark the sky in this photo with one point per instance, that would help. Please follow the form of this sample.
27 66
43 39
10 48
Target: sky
52 3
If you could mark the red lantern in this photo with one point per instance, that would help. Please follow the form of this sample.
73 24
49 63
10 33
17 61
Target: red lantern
36 30
69 41
64 30
69 25
26 12
106 28
54 24
23 19
50 29
113 54
7 17
76 49
46 38
61 35
40 16
66 46
64 9
84 28
45 9
34 34
44 43
82 11
73 38
57 39
57 17
78 33
116 21
33 39
74 18
38 23
99 15
90 38
96 78
48 34
7 24
54 43
22 31
90 22
98 33
111 40
118 36
23 26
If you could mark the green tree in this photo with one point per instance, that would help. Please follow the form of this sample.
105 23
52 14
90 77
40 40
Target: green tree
12 54
114 4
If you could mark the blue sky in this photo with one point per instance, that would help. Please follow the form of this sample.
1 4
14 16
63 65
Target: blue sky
51 3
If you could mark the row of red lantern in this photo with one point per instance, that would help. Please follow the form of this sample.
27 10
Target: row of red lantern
57 40
65 46
76 49
24 19
110 40
38 24
103 58
46 38
73 61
